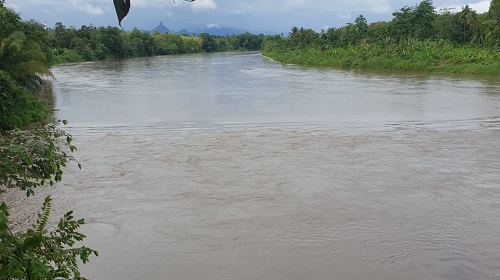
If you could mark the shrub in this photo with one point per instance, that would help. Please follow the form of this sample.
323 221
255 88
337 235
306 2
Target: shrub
18 108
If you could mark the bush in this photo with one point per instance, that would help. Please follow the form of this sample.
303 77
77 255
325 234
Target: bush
18 108
60 56
31 159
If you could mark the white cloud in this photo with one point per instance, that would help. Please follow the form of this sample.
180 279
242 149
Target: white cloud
203 5
295 4
480 7
377 6
344 16
241 8
150 3
87 8
212 25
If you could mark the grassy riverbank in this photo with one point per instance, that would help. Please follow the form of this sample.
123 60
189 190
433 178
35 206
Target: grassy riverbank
416 39
428 58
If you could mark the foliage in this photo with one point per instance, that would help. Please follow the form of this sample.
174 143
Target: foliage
9 21
22 59
18 108
300 38
30 159
138 43
409 54
23 49
415 21
90 43
208 42
40 253
492 24
34 158
60 56
416 39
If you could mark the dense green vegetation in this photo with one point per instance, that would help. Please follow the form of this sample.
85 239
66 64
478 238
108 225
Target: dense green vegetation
17 106
90 43
417 39
32 157
23 61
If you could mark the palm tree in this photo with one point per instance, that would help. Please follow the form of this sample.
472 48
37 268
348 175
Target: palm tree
23 59
493 22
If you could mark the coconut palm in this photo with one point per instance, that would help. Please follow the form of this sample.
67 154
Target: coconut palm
493 22
23 59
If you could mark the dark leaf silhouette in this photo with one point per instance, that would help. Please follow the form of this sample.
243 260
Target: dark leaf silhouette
123 6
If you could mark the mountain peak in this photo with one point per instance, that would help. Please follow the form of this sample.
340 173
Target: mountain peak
161 28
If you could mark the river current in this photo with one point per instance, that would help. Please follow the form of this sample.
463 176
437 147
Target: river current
232 166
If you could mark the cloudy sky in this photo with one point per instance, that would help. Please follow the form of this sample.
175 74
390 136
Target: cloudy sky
258 15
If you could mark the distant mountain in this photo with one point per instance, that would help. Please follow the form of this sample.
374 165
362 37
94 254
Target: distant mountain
212 30
161 28
184 31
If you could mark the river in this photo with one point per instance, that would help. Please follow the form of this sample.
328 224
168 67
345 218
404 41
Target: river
232 166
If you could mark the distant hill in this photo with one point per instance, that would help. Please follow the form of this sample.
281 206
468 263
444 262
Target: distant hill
161 28
212 30
184 31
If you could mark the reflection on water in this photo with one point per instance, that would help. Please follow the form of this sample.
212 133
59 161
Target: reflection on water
231 166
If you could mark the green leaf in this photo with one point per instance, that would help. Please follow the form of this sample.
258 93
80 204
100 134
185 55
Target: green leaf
3 208
32 242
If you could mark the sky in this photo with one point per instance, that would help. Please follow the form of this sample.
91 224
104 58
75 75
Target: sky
252 15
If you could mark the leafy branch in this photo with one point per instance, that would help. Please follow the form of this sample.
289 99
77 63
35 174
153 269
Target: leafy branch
39 253
30 159
33 158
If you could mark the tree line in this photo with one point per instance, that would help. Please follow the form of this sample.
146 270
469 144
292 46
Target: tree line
89 43
417 38
420 22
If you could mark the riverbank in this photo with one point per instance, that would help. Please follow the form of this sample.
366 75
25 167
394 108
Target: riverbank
458 60
105 43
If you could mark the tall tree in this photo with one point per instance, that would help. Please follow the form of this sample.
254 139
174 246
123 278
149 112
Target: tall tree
361 27
425 13
493 23
9 21
415 22
467 20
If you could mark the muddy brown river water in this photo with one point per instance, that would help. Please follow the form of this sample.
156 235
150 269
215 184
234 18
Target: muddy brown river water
231 166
